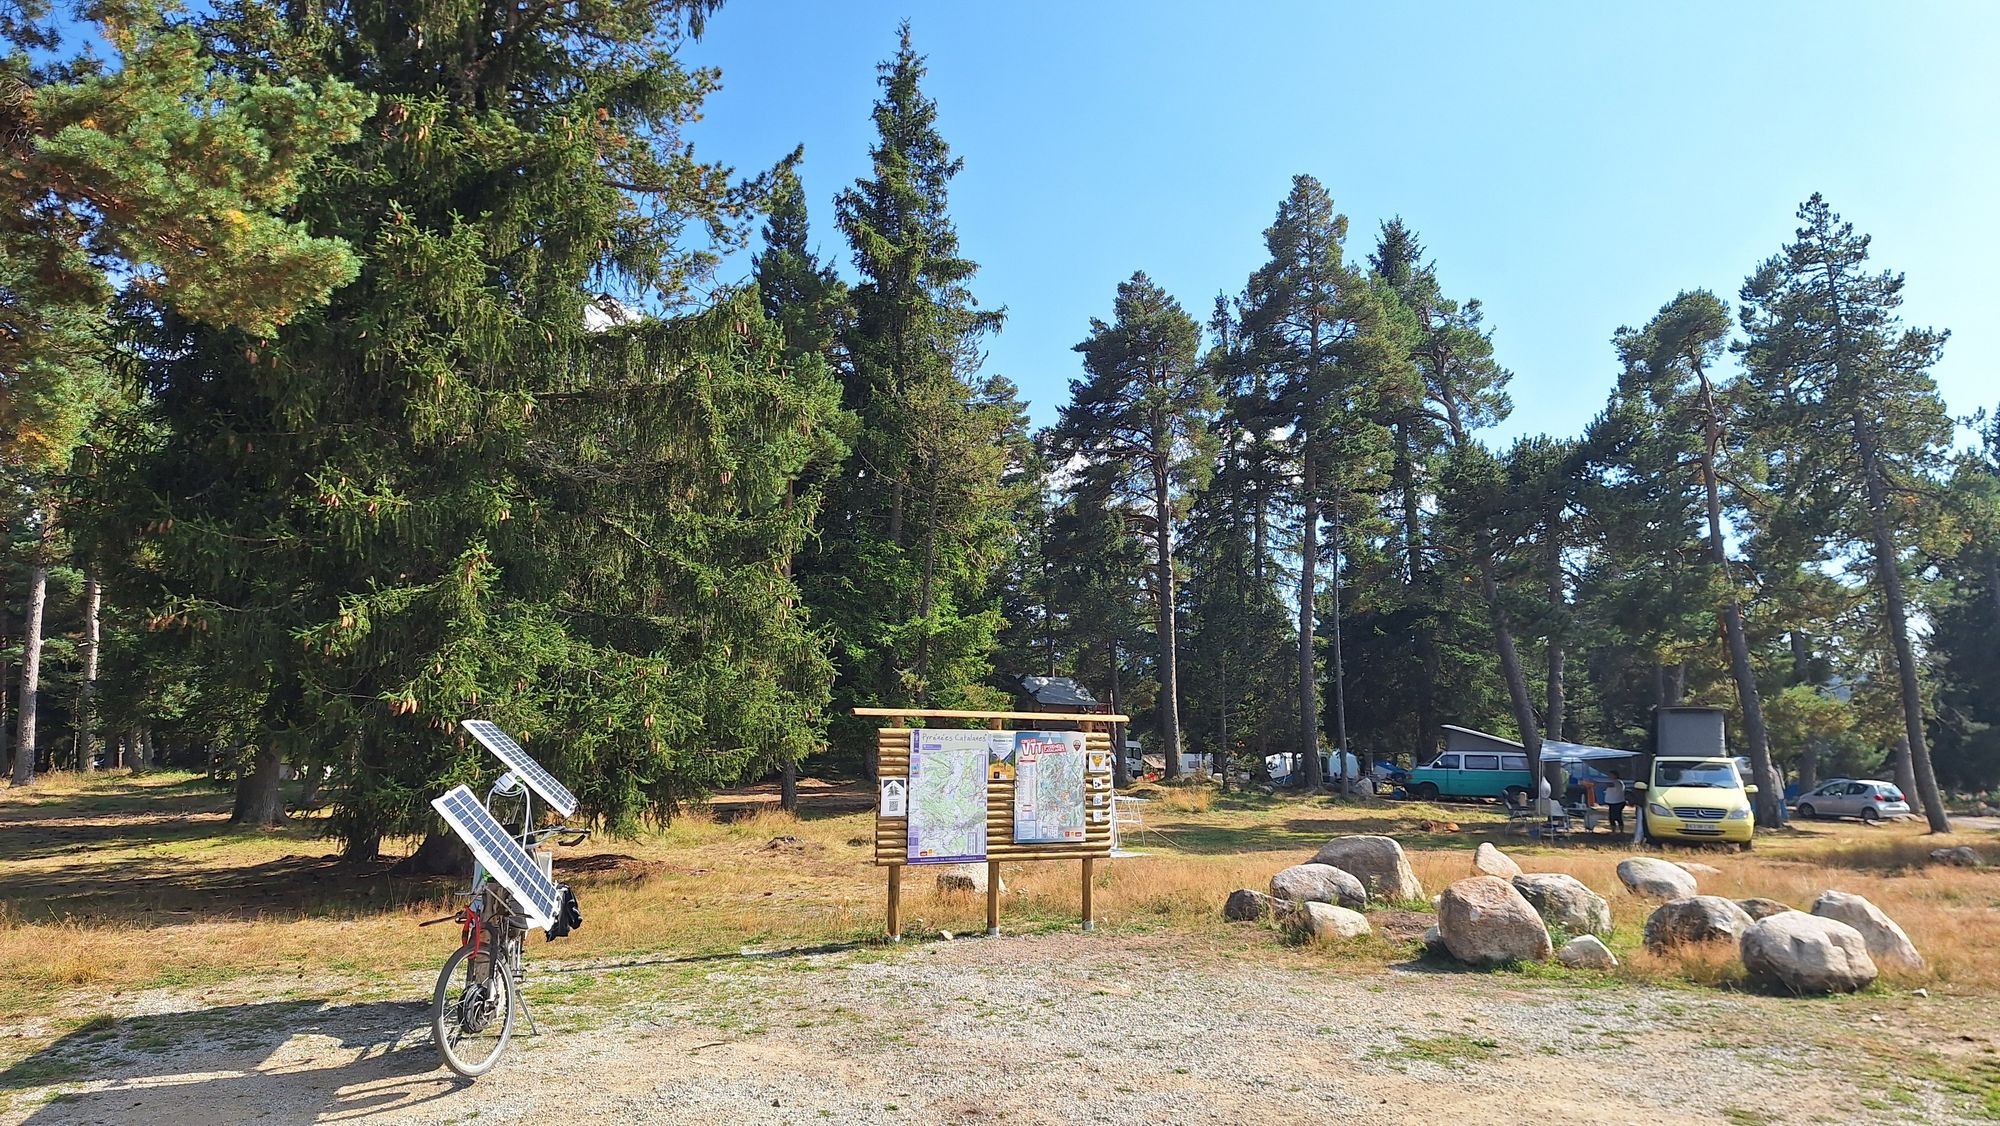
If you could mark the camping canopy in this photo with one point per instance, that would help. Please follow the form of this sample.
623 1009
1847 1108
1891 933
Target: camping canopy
1582 752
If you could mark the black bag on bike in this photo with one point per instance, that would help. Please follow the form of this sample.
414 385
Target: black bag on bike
569 915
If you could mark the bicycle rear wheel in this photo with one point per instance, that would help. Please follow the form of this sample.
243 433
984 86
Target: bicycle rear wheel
472 1012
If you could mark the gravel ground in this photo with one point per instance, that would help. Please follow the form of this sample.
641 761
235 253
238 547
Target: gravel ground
1055 1028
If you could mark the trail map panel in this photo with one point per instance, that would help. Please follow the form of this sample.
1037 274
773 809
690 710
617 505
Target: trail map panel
947 799
1048 786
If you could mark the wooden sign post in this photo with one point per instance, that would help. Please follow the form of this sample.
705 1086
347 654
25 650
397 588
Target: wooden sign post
892 839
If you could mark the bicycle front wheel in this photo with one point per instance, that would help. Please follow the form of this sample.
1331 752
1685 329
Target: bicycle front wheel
472 1012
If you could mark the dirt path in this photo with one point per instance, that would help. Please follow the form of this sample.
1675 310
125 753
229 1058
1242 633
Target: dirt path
1039 1029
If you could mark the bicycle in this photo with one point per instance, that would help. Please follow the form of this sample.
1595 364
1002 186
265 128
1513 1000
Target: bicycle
472 1014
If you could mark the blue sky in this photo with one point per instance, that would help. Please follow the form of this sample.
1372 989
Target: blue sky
1571 165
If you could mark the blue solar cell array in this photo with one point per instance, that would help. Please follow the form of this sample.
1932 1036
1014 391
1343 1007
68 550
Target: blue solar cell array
503 857
527 769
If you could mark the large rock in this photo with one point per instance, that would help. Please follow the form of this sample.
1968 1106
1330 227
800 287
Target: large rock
1696 918
1697 870
1762 908
1564 901
963 878
1962 857
1490 861
1887 943
1807 953
1587 952
1247 905
1315 921
1433 941
1319 883
1485 922
1658 879
1378 862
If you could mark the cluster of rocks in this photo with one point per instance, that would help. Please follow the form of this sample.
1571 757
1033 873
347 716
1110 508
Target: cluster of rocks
1502 915
1838 946
1322 900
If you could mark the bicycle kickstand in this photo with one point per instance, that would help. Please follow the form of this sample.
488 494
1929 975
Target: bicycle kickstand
521 999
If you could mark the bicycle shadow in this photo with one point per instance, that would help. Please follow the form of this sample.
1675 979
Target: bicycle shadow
286 1061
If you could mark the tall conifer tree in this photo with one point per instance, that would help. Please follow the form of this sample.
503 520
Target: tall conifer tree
476 483
1142 416
1831 369
906 570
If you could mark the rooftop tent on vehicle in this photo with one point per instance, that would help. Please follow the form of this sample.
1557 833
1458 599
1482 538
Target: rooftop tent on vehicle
1466 739
1689 732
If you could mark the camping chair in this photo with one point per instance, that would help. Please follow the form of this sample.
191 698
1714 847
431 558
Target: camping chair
1520 813
1127 816
1555 822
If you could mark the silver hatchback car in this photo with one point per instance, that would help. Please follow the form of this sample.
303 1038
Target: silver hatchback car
1865 798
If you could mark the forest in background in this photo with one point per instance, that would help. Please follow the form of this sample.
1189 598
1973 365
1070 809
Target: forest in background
363 369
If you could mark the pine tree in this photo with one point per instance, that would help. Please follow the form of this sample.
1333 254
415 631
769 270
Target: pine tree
1141 417
166 173
1313 322
1965 622
1831 369
1670 409
905 573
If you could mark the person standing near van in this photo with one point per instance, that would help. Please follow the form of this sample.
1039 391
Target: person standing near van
1614 800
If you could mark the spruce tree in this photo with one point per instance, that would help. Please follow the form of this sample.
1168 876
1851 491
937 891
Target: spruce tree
475 483
1142 417
921 520
1830 369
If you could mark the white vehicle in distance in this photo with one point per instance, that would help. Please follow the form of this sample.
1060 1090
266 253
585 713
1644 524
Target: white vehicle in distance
1866 798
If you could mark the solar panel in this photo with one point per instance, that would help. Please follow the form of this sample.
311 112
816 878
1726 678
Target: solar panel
508 751
502 856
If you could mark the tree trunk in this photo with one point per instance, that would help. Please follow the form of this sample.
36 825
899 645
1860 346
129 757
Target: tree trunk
260 798
440 853
1510 668
1333 638
1889 576
1308 772
1901 766
1166 625
1120 776
1769 798
146 756
86 718
788 787
31 675
1558 657
1222 725
926 600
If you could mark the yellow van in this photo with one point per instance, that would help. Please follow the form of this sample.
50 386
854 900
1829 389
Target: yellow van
1697 799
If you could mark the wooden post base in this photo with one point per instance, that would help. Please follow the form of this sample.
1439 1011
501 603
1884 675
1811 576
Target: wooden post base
895 903
993 899
1089 913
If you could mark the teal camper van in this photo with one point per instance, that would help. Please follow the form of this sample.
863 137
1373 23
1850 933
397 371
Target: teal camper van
1472 765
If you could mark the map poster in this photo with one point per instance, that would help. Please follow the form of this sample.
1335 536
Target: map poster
947 799
1048 786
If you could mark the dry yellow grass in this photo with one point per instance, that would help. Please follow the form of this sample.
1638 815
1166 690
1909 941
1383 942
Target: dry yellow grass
215 905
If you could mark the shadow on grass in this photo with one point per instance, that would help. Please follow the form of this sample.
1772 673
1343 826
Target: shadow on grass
238 1062
149 887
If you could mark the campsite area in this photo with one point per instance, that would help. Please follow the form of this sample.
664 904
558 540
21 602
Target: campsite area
156 965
